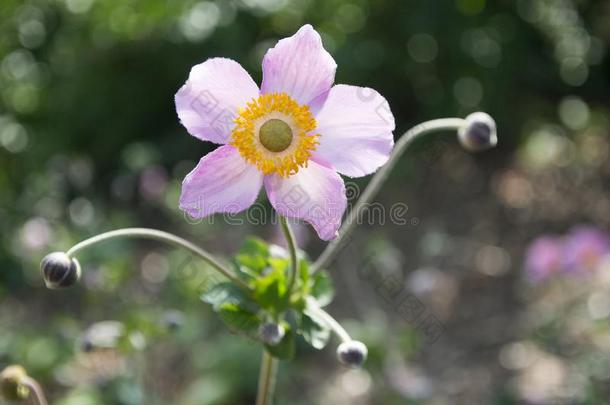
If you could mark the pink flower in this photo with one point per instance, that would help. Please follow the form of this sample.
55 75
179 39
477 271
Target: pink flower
584 249
294 135
543 258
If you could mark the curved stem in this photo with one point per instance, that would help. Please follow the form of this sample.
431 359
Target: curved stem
36 391
377 181
330 321
266 381
292 248
162 237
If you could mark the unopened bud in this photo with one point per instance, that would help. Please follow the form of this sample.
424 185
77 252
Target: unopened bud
479 133
272 333
352 354
173 320
11 383
102 335
59 270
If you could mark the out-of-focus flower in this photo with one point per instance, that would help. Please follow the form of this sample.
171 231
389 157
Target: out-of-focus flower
102 335
95 367
294 135
543 258
584 249
98 359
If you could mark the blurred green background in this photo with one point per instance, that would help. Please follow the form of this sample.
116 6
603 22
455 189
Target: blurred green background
89 141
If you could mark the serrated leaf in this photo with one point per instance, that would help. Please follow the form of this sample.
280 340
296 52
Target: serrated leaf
322 289
286 348
239 320
279 263
314 330
254 254
238 311
270 290
223 293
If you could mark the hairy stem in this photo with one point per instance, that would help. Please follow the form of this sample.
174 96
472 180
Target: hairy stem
292 248
266 379
36 392
162 237
333 248
330 321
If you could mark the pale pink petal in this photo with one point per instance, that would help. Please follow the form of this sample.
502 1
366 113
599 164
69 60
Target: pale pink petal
315 194
209 100
355 126
299 66
222 182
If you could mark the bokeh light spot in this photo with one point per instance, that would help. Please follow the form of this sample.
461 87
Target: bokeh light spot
574 112
470 7
422 47
468 91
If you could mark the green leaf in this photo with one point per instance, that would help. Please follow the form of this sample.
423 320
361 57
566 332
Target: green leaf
238 311
322 289
254 255
286 348
240 320
223 293
314 330
279 263
270 290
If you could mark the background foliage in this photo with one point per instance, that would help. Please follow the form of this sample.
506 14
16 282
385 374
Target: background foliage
89 141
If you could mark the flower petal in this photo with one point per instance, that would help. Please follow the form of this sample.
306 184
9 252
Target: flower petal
222 182
299 66
315 194
355 126
209 100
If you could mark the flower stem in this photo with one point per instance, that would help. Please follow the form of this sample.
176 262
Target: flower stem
162 237
292 248
36 391
266 380
330 321
333 248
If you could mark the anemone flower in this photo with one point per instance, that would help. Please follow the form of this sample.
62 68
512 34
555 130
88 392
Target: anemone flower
543 258
584 248
294 136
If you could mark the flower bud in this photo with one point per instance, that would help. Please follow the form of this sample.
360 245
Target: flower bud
59 270
479 132
352 354
11 383
102 335
173 320
272 333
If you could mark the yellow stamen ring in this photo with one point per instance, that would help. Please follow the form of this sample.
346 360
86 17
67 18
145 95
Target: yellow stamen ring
274 133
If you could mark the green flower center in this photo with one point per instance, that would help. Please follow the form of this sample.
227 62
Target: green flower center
275 135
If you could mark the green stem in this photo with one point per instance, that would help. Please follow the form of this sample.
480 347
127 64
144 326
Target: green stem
377 181
36 392
332 323
162 237
292 248
266 380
